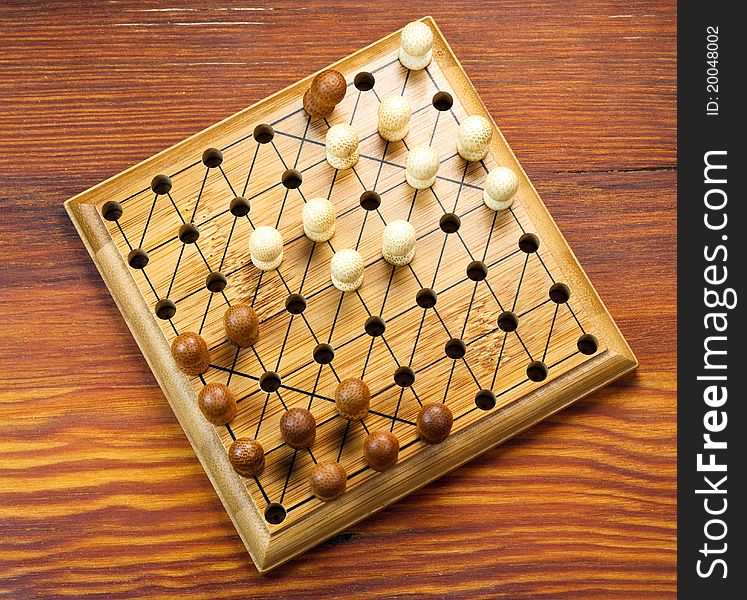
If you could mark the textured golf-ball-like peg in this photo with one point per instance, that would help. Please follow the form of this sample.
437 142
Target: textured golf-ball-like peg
434 423
500 186
326 91
473 138
381 450
241 325
217 403
398 243
416 46
318 216
247 457
352 398
394 118
341 143
298 428
328 480
346 270
266 248
190 353
421 167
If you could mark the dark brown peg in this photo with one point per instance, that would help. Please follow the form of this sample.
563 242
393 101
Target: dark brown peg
247 457
298 428
352 398
217 403
381 449
328 480
190 353
241 325
434 423
327 91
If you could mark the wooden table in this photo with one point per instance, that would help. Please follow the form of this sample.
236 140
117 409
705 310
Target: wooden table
100 492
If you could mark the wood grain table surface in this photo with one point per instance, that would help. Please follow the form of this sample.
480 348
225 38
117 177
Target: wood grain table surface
100 492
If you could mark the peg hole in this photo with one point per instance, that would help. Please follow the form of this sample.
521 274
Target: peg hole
269 382
212 157
165 309
292 179
295 304
239 206
264 133
485 400
426 298
529 243
216 282
138 258
442 101
450 223
161 184
537 371
404 377
111 211
587 344
364 81
455 349
370 200
375 326
508 321
275 513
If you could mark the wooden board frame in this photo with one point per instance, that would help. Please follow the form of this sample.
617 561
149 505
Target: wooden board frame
270 546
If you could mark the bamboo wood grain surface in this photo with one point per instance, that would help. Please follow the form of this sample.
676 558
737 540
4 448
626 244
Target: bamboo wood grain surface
100 492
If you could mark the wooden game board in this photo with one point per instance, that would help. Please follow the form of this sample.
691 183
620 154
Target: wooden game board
275 514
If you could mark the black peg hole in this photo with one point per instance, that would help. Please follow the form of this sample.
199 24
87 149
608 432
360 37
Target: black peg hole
450 223
370 200
292 179
295 304
364 81
239 206
216 282
212 157
404 377
161 184
188 233
323 354
138 258
264 133
559 293
529 243
508 321
485 400
165 309
275 513
537 371
587 344
442 101
455 349
426 298
111 211
477 270
269 382
375 326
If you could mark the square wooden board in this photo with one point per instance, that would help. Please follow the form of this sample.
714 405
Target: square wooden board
517 282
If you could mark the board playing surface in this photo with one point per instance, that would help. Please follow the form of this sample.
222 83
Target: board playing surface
495 364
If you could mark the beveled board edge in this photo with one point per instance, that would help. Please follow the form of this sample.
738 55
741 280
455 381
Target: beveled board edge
249 523
270 550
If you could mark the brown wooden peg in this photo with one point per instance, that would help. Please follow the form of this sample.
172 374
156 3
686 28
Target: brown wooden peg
247 457
241 325
190 353
327 91
217 403
328 480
